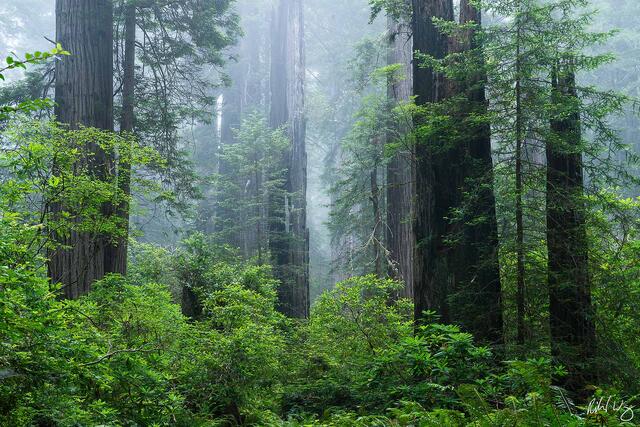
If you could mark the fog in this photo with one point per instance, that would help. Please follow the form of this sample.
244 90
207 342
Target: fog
333 30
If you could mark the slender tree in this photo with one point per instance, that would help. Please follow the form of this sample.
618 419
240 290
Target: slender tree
519 98
84 97
289 236
519 211
116 252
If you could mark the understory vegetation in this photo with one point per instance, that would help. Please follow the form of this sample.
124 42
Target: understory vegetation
126 355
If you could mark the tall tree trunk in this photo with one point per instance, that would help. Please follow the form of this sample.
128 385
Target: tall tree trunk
479 305
573 336
116 253
457 273
435 175
258 198
400 240
84 97
289 236
520 140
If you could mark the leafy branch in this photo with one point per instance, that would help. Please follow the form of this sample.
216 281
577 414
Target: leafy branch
13 62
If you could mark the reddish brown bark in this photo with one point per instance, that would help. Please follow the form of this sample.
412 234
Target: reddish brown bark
400 240
84 97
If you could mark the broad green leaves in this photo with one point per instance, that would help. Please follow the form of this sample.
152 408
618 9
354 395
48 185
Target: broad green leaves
13 63
37 57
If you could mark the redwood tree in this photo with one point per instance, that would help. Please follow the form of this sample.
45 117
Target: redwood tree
456 261
434 180
401 168
116 251
573 335
84 97
289 236
479 302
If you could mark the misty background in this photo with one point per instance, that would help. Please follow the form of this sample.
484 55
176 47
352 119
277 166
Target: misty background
336 33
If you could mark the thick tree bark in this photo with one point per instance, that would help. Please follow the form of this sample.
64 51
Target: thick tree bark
456 260
116 252
435 177
400 240
479 305
289 236
573 336
84 97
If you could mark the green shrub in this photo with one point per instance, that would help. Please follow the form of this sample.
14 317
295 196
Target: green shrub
362 353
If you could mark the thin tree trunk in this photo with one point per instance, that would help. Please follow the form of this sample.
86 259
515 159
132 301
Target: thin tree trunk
116 253
258 202
520 249
400 240
573 335
289 236
84 97
377 223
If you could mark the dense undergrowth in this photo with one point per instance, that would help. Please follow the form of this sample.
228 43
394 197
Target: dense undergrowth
126 356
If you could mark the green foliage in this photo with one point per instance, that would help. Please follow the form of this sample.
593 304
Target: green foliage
237 354
13 63
46 165
362 322
614 237
152 263
98 360
349 327
37 57
125 355
252 174
233 356
396 9
366 356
